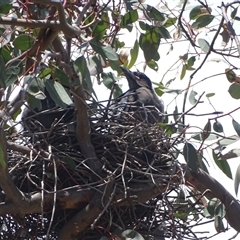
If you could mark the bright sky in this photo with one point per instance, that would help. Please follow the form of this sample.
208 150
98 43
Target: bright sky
222 101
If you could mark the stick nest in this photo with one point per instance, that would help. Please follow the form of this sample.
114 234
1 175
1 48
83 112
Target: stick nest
132 152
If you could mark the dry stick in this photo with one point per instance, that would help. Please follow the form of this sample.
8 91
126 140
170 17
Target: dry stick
81 15
181 25
54 197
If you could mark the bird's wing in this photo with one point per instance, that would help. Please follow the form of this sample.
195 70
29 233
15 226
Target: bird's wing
145 96
148 97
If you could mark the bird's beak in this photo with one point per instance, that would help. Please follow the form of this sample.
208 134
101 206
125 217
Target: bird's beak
130 77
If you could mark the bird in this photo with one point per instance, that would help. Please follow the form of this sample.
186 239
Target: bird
141 98
48 114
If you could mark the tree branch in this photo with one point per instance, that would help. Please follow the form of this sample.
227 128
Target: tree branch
203 181
12 193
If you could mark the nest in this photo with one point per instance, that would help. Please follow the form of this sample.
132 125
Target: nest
131 151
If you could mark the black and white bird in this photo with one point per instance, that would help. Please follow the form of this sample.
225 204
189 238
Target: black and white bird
141 98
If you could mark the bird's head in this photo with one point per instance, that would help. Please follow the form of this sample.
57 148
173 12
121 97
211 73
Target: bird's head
136 79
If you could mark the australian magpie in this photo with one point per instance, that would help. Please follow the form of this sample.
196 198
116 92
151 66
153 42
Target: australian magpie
141 98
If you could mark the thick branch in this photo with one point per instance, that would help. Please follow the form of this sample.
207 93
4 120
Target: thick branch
55 25
65 199
83 129
202 181
7 185
87 215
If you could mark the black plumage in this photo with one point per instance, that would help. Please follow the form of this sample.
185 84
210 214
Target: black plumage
141 98
48 114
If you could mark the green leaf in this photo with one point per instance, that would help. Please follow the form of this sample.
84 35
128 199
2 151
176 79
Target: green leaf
237 180
164 33
160 89
170 22
192 98
154 14
220 210
109 80
153 65
36 85
211 206
199 137
218 223
204 45
234 13
23 42
191 156
191 61
33 102
46 73
134 54
183 73
129 18
237 18
58 93
6 53
169 128
217 126
107 52
234 90
149 43
4 9
12 75
131 234
3 74
206 131
175 113
84 74
156 57
223 165
195 12
62 77
203 21
236 126
231 75
101 27
208 95
144 26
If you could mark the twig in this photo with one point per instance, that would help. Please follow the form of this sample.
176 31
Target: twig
229 25
209 50
184 113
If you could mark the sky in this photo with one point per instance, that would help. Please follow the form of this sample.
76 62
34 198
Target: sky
222 101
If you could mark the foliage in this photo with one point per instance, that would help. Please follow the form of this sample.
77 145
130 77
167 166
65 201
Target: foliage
55 50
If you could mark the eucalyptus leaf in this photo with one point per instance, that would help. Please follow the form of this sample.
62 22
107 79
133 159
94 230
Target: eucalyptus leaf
237 180
191 156
223 165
